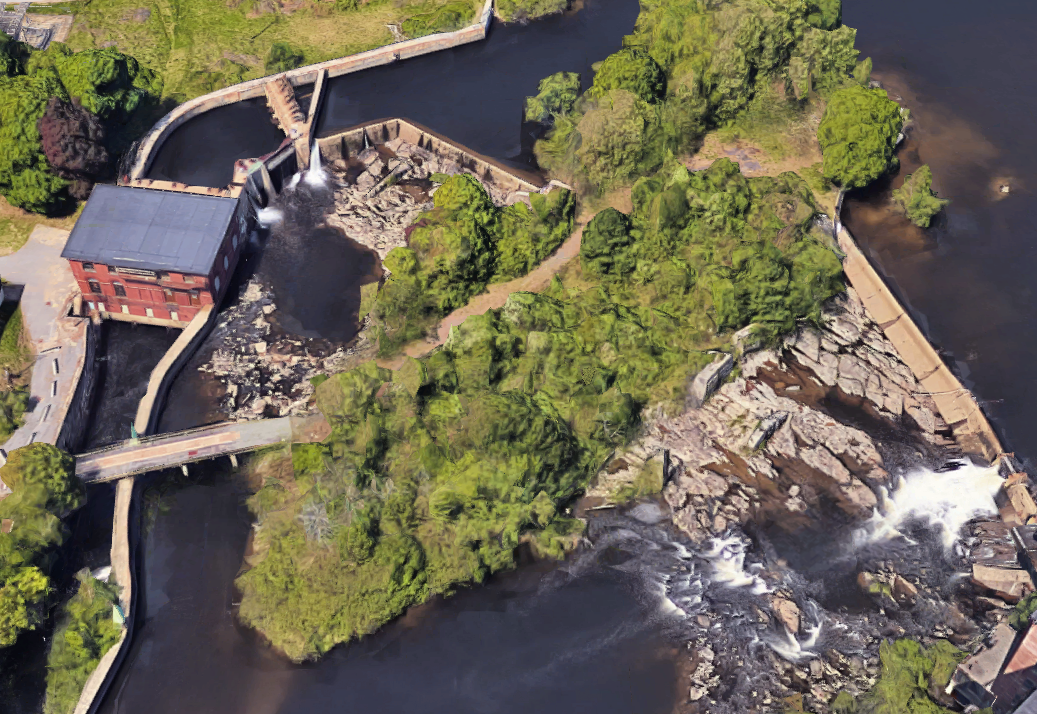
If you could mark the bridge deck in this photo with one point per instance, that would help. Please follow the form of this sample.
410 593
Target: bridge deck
170 450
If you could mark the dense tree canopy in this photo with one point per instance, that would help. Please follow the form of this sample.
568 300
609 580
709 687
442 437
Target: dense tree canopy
633 70
556 95
612 138
917 199
44 488
858 135
105 84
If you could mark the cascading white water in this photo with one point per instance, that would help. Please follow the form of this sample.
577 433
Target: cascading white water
269 216
315 175
795 649
942 499
727 556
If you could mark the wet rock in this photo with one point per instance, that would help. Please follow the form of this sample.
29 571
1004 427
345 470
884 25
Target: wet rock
707 381
904 592
1009 585
787 613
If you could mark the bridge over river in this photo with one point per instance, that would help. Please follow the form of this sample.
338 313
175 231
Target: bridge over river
136 456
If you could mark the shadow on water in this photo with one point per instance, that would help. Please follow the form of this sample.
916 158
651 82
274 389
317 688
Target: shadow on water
315 271
472 94
531 640
126 354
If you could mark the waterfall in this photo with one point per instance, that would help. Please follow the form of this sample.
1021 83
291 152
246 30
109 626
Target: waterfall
269 216
727 556
944 500
315 175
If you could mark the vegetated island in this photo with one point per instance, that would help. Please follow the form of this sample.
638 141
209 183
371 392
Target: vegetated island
438 468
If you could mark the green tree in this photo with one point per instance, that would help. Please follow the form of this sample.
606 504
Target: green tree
605 245
612 138
633 70
917 199
513 10
825 14
858 135
556 95
43 489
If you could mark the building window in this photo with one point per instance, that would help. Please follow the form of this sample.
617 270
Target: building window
149 312
89 267
91 306
195 298
120 291
217 283
168 295
126 309
95 287
174 316
188 278
234 242
226 264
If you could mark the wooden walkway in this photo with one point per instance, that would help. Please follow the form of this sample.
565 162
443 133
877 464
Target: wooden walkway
136 456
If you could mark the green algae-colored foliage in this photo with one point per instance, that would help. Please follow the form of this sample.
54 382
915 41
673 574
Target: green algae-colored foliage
556 95
633 70
437 18
460 246
909 673
86 630
44 488
106 82
858 135
917 199
512 10
436 471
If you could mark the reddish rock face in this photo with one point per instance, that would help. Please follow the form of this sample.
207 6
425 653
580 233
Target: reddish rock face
73 142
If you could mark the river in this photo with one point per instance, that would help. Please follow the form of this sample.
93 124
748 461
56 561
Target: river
589 635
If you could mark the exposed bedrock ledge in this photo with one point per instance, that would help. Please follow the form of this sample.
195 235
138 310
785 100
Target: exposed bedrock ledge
804 428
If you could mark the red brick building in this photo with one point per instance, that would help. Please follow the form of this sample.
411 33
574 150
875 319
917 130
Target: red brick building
156 257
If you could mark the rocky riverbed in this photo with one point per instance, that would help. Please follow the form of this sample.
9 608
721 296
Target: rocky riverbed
806 499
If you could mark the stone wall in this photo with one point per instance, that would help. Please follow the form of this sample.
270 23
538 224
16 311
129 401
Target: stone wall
77 415
306 75
350 143
956 404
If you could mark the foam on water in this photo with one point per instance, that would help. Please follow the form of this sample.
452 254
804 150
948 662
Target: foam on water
944 500
269 216
727 556
792 648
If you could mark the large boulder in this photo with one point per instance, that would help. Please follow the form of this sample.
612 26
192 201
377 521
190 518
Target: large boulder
709 379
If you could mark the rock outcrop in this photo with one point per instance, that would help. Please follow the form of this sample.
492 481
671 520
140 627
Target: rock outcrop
784 440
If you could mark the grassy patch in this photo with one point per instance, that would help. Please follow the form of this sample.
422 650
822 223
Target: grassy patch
648 482
780 127
201 45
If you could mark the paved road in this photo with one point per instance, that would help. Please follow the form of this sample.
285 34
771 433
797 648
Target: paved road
170 450
58 341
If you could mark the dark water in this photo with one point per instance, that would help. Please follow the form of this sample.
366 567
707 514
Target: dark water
315 271
531 641
968 76
473 94
126 352
202 151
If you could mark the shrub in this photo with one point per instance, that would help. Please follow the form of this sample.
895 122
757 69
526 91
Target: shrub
633 70
556 95
85 631
612 135
605 246
438 18
916 197
513 10
858 135
283 57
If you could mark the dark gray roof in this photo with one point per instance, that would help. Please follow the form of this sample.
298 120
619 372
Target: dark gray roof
154 230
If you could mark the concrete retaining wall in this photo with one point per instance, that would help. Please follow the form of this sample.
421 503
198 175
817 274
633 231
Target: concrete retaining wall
77 414
125 540
305 75
168 367
957 405
351 142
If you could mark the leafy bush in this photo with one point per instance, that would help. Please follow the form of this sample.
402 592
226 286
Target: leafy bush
1019 618
283 57
613 136
556 95
458 247
438 18
909 672
44 488
86 630
512 10
858 135
917 199
13 404
633 70
605 246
